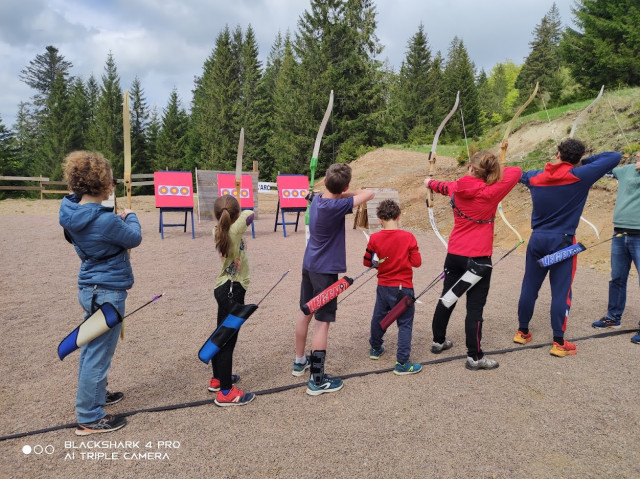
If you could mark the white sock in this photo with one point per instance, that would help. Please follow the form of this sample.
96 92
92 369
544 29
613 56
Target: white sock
301 360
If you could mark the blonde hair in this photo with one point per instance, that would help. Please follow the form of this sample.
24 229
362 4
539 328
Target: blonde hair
87 172
226 209
486 167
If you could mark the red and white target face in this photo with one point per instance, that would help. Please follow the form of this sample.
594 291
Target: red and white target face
294 193
244 192
170 190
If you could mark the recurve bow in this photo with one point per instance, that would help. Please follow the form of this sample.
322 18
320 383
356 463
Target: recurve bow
432 164
503 156
314 160
239 164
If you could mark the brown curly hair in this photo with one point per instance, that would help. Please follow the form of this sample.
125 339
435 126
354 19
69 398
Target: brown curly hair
388 210
87 172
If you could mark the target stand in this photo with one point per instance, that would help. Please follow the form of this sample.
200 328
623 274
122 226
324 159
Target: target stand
292 190
174 193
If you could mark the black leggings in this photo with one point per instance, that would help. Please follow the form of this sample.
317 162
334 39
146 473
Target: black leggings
455 266
222 362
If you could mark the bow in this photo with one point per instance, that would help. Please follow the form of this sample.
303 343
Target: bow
126 127
432 163
239 164
126 132
503 156
314 161
574 126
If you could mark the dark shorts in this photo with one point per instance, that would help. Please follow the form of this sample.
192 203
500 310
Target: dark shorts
312 285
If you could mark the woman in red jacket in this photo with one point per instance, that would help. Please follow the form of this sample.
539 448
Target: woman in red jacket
474 198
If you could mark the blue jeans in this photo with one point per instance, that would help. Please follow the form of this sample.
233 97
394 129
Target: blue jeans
95 356
386 299
624 250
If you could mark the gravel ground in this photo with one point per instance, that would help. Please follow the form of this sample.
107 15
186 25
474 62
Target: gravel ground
536 416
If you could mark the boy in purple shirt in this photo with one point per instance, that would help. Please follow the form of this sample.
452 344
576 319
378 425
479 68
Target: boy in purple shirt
324 258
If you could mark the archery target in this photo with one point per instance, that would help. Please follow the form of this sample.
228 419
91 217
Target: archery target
292 190
227 186
173 189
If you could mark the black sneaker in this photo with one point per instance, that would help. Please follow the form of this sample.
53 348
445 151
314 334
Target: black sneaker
109 423
113 398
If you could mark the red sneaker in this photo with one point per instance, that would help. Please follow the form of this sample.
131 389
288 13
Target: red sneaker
567 349
214 383
236 397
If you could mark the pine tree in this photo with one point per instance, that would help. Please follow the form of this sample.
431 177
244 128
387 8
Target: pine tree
459 75
172 138
213 139
9 165
26 140
415 93
252 110
58 130
42 71
108 122
605 50
153 133
543 62
139 118
80 113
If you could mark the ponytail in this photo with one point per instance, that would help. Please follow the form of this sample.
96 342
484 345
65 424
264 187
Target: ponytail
226 209
486 167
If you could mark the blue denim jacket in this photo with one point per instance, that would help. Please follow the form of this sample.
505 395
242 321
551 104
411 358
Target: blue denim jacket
101 239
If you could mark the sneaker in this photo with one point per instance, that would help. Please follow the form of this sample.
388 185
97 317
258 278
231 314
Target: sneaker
407 368
606 323
437 348
328 385
567 349
299 369
522 338
236 397
376 353
482 363
636 338
214 383
113 398
109 423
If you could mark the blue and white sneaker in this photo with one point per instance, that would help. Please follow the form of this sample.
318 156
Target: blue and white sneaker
606 323
299 369
328 385
376 353
636 338
406 368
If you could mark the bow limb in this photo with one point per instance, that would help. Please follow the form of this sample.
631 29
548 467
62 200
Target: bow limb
126 133
314 159
432 164
503 155
574 126
239 164
126 127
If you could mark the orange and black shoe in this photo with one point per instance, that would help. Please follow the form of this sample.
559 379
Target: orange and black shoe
567 349
236 397
522 338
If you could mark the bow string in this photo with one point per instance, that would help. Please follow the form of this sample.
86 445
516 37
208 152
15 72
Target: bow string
503 156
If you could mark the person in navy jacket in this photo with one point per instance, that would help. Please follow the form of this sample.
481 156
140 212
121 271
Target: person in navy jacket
558 193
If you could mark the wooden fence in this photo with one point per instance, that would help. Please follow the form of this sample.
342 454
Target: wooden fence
44 185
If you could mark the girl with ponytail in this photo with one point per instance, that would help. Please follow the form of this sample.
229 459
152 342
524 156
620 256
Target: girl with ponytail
474 199
231 286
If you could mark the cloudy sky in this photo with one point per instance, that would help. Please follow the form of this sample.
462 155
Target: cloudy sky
165 42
